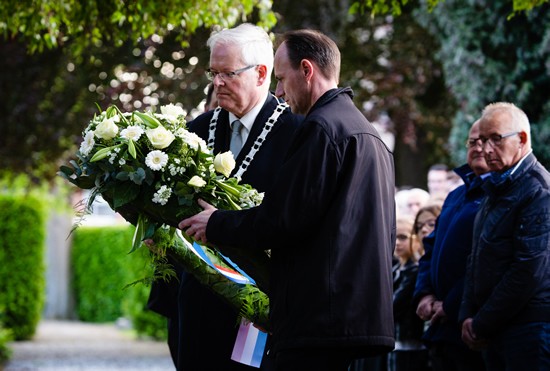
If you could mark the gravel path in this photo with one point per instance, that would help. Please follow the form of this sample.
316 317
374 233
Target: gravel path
69 345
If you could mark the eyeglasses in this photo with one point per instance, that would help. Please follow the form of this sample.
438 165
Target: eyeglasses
495 140
225 76
474 142
428 223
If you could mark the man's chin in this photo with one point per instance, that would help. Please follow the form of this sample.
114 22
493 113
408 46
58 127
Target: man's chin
495 166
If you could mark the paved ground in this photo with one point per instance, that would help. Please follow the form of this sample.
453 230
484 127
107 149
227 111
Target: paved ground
68 346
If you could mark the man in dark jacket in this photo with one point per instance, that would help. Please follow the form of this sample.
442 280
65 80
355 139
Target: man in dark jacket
329 220
203 327
440 281
506 303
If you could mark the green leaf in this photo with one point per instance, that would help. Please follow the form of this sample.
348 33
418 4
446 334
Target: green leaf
122 176
132 148
111 111
84 182
101 154
125 194
66 171
137 176
148 120
138 234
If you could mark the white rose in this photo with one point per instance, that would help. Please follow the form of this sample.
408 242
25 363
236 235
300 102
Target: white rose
107 129
224 163
160 137
196 181
172 112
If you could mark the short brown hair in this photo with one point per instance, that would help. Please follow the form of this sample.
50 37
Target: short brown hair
315 47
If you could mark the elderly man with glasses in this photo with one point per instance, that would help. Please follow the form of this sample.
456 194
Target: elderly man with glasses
442 268
506 302
257 128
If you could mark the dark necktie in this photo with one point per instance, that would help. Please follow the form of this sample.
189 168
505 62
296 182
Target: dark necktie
236 138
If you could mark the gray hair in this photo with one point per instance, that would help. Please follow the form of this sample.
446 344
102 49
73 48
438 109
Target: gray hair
253 41
519 119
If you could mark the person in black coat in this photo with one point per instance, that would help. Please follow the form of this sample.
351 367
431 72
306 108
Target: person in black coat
329 220
505 309
202 327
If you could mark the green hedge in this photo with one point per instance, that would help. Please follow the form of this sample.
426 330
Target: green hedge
102 269
22 271
5 338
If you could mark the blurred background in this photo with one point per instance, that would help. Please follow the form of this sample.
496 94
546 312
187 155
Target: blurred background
422 71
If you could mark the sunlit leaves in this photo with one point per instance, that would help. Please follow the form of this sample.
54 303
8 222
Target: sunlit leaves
395 7
84 23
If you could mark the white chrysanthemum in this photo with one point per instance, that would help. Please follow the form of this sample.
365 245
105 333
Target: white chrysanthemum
156 160
133 132
88 143
193 140
162 195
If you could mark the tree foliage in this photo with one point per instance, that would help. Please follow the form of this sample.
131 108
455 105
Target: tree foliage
82 24
488 57
395 7
140 54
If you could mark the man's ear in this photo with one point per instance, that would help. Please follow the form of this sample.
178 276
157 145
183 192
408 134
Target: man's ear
307 68
262 74
522 137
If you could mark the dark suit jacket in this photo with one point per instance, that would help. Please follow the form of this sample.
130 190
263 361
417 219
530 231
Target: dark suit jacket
206 325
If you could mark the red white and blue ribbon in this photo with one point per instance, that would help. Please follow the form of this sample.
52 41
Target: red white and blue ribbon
233 272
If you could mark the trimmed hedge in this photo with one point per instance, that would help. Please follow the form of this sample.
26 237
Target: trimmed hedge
5 338
22 270
102 270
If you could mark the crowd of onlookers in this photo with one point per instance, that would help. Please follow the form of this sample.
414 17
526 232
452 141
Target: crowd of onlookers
471 269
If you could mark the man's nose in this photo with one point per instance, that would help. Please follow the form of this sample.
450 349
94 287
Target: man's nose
218 80
279 92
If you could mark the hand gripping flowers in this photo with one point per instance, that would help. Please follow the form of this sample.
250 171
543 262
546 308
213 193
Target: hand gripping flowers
152 170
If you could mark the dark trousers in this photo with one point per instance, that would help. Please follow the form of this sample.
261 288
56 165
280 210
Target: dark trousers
520 347
453 357
318 359
409 360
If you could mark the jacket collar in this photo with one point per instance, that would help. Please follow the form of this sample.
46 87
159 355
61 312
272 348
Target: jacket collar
470 179
494 184
466 173
330 95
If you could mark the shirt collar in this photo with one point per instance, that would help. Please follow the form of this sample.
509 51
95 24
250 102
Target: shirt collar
248 119
497 177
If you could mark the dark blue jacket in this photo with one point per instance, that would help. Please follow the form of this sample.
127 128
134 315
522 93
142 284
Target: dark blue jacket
508 277
443 266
